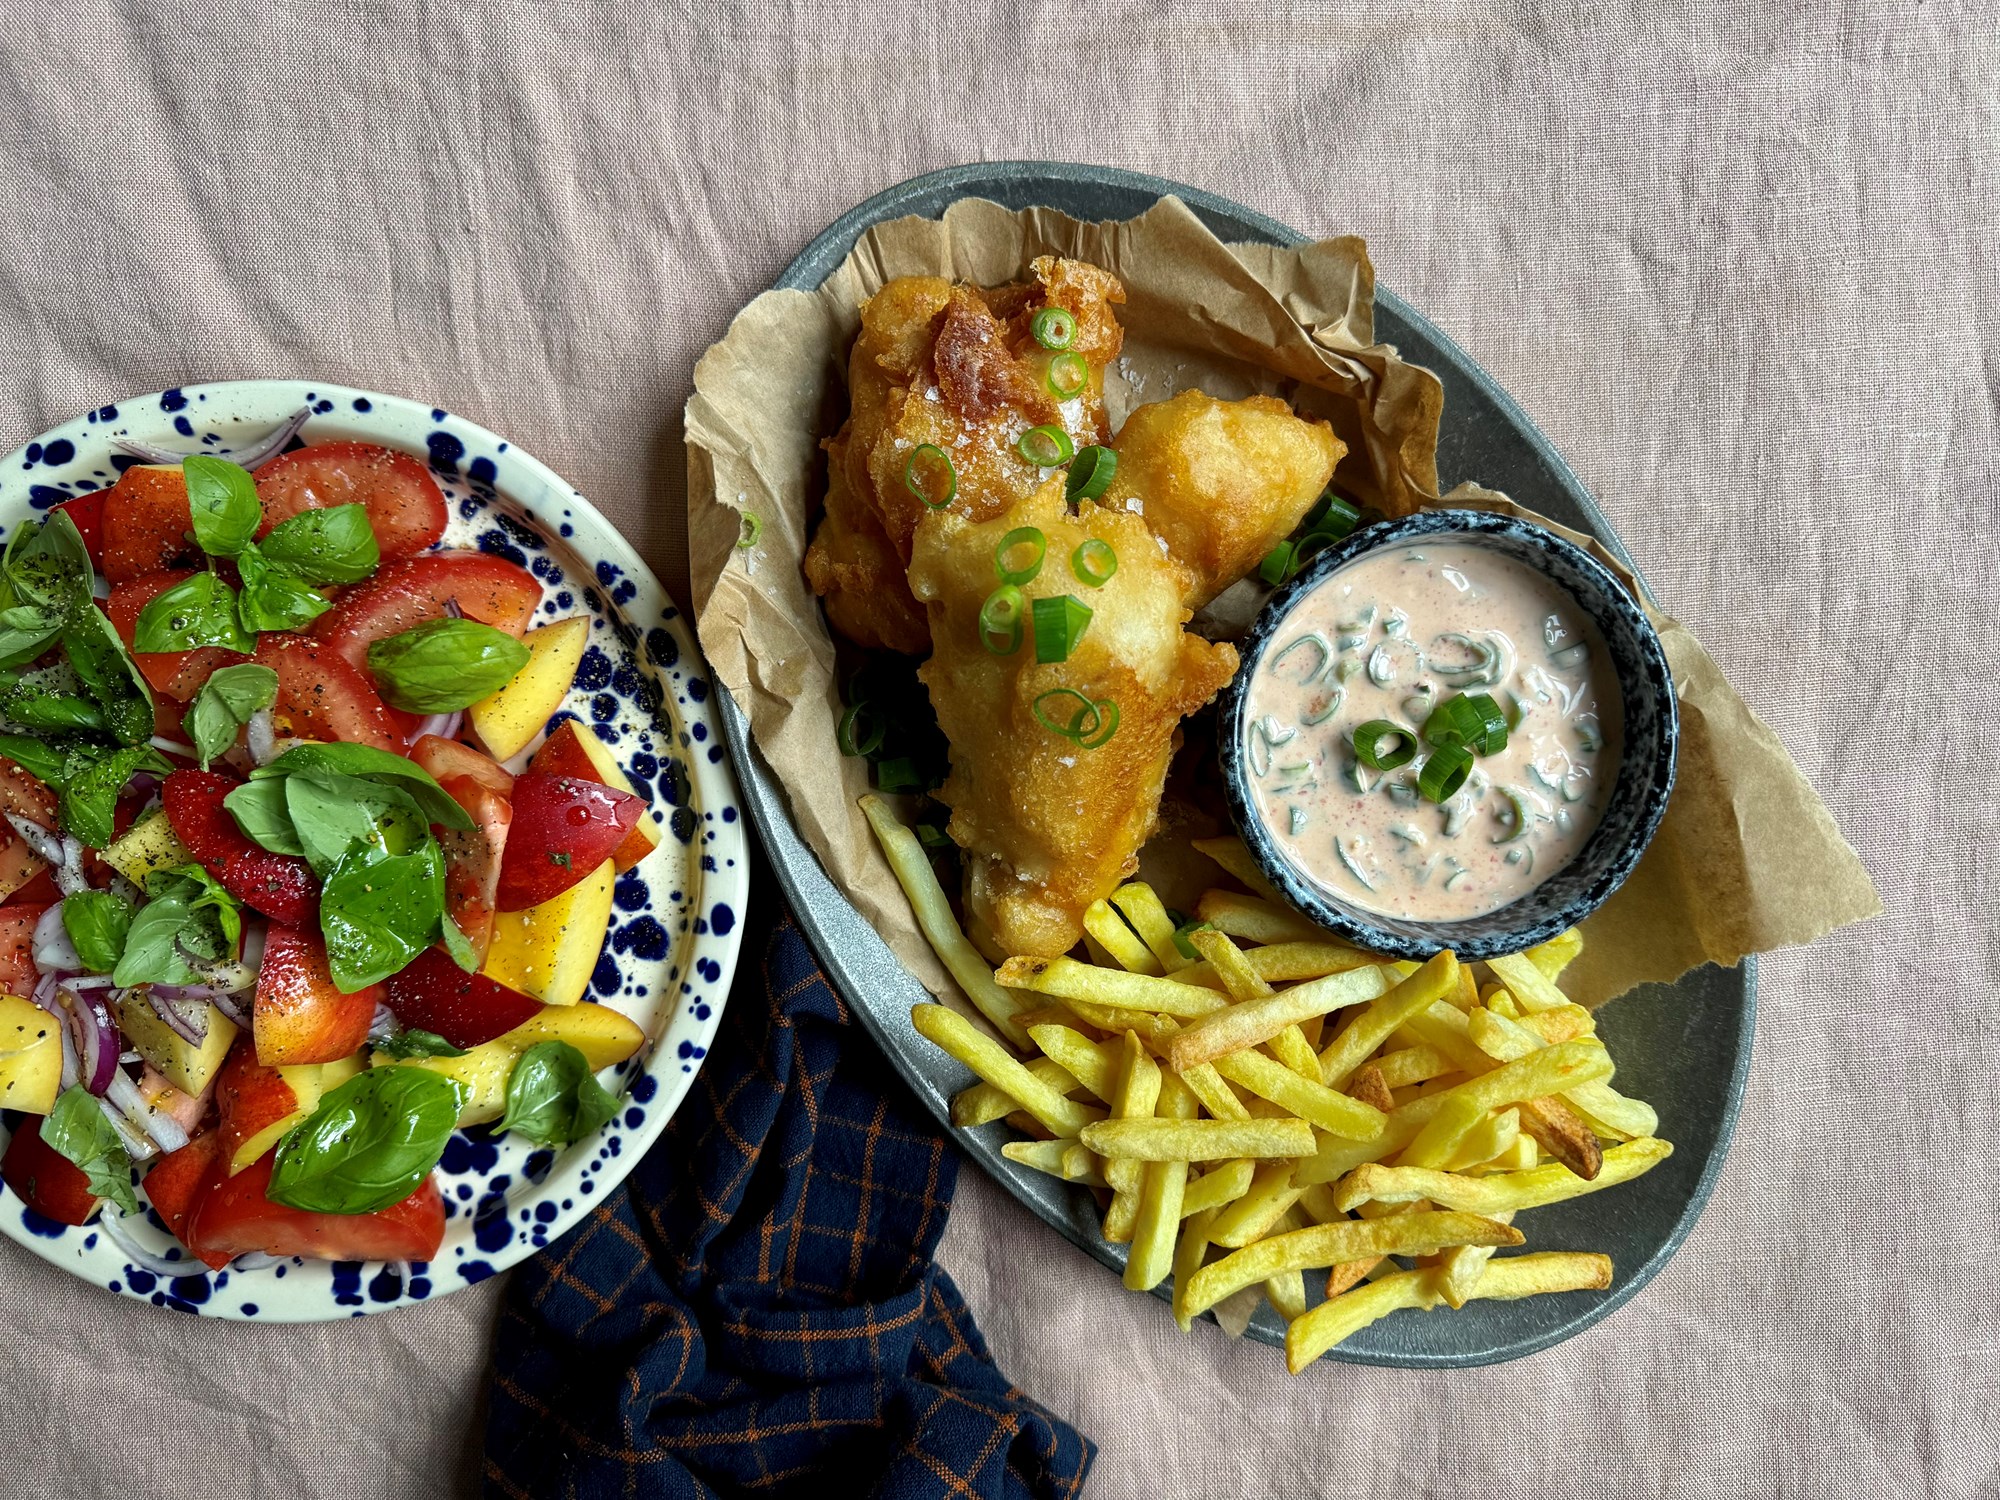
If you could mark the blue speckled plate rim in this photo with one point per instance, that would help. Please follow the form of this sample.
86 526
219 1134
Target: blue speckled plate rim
882 999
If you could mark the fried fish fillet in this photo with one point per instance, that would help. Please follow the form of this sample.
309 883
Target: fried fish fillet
856 569
1220 482
1047 825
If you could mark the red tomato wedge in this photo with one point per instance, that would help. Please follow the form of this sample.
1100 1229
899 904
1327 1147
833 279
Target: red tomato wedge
18 974
563 754
563 829
281 886
472 859
434 994
87 511
179 1178
488 589
173 674
405 505
321 697
234 1216
146 525
301 1017
26 795
41 889
445 759
48 1182
22 871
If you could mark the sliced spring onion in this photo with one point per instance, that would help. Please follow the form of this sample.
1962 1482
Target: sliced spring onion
1570 656
933 836
1181 931
1492 724
1046 446
1107 718
1089 724
1026 546
1053 327
753 528
1444 773
1333 517
1059 625
1319 663
1384 745
1090 476
1324 707
932 457
1277 564
1353 868
1519 815
1067 376
1095 560
1454 722
898 775
861 731
1001 620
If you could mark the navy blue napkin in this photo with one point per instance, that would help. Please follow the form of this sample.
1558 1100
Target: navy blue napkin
756 1309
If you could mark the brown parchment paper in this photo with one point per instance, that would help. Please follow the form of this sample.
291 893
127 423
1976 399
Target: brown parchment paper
1747 858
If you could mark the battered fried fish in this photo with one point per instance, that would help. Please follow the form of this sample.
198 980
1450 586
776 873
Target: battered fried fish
1220 482
856 569
1048 825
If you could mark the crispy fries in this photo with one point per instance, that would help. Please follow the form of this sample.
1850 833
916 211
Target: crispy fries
1558 1131
1103 924
1256 919
1231 1028
1361 1038
1067 979
982 1103
1055 1158
997 1066
1499 1192
1270 1079
1197 1140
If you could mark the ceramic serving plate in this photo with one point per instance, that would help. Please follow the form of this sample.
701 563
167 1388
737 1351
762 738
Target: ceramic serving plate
677 917
1684 1047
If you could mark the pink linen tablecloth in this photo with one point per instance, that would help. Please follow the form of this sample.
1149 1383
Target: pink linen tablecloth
1738 260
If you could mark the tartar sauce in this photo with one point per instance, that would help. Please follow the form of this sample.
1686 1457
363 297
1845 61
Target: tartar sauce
1390 637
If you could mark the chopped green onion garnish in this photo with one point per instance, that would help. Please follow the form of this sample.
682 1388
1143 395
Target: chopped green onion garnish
1059 625
933 836
898 775
934 457
1053 327
1107 716
1333 517
1277 564
1181 943
1067 376
860 731
1384 745
1046 446
1492 723
1090 475
1454 722
1444 773
1090 724
1094 561
1019 556
753 528
1000 620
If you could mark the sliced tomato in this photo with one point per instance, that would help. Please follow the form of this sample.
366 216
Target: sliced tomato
41 889
281 886
21 868
146 524
563 753
26 795
301 1016
472 859
18 973
445 759
174 674
434 994
563 828
179 1179
489 589
405 505
48 1182
235 1216
87 511
322 697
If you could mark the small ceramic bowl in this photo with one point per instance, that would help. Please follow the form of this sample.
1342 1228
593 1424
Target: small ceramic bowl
1639 797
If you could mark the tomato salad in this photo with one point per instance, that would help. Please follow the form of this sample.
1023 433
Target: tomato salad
284 899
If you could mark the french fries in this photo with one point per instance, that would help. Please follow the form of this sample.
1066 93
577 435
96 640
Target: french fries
1235 1148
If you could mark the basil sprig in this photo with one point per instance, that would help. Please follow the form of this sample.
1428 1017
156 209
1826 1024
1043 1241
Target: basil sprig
366 761
198 611
334 545
230 698
369 1144
222 500
98 923
553 1097
441 666
78 1130
416 1042
86 776
45 578
378 911
188 912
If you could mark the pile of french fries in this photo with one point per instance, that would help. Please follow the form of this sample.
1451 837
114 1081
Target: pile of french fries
1281 1102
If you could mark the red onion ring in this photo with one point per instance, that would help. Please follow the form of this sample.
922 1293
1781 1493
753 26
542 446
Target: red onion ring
251 456
184 1013
97 1041
111 1221
53 950
444 726
261 736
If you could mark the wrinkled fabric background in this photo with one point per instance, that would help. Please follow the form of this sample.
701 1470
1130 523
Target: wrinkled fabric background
1738 260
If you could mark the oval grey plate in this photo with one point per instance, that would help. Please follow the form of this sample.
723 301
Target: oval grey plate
1684 1047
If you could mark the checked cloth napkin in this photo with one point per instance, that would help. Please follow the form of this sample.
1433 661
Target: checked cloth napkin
756 1308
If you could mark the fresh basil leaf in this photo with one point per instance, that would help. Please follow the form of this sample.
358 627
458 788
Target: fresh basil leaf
89 793
78 1129
39 758
97 923
370 1144
215 915
260 811
151 954
36 708
377 912
230 698
25 632
334 545
458 945
417 1043
47 564
222 498
106 668
441 666
377 765
274 597
198 611
334 814
553 1097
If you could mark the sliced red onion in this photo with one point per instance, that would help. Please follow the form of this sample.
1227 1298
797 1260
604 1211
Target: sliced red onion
129 891
54 952
163 1129
69 874
185 1015
256 1260
451 609
142 784
444 726
112 1222
72 1067
228 1006
250 456
46 844
384 1025
89 982
97 1041
45 993
138 1145
174 747
254 933
128 1056
261 735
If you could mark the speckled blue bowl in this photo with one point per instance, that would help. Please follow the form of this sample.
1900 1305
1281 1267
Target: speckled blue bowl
1639 798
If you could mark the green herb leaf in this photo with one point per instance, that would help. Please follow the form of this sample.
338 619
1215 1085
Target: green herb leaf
441 666
334 545
334 814
97 923
78 1129
458 945
377 912
198 611
222 498
366 761
274 597
150 955
45 578
89 789
553 1097
37 708
260 810
370 1144
417 1043
39 758
107 670
215 915
230 698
